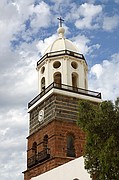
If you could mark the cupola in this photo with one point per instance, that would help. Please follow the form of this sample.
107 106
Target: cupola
62 64
61 43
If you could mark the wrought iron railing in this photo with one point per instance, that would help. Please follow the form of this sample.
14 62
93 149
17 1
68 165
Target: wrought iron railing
65 88
38 158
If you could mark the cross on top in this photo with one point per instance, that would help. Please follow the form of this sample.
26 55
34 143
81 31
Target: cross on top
60 21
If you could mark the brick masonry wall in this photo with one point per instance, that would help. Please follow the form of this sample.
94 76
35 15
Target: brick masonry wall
49 108
55 106
61 113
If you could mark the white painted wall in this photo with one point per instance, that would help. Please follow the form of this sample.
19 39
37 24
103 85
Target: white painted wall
66 71
56 48
69 171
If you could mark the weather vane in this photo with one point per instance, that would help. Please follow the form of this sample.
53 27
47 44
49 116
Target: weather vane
60 21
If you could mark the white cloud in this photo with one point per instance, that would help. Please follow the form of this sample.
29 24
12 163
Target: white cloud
9 22
88 14
84 23
104 77
90 10
110 23
41 10
84 44
73 13
13 130
18 66
18 81
42 45
13 17
18 76
97 70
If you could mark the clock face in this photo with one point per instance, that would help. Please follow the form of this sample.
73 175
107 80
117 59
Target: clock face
41 115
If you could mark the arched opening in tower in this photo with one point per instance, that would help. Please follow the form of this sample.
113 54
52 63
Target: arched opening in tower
34 148
42 84
57 79
70 146
45 142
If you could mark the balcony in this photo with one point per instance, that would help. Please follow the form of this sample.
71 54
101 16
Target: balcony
38 158
65 88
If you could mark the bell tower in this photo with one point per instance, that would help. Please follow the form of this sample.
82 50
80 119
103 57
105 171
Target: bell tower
54 137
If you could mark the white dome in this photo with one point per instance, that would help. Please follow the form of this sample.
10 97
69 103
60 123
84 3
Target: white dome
61 43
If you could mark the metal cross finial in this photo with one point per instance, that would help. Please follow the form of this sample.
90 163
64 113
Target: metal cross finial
60 21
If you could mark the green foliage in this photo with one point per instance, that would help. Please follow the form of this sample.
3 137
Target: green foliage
100 122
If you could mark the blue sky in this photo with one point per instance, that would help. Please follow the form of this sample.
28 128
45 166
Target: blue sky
27 27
